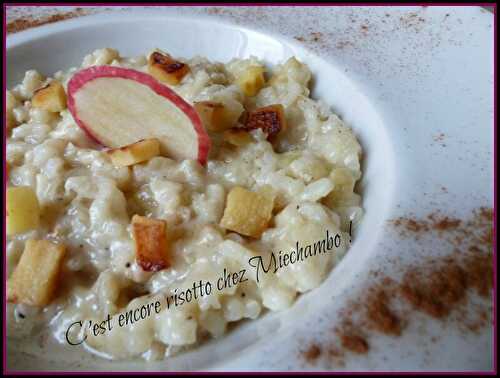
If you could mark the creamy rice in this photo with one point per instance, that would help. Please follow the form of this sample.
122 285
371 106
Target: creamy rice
87 204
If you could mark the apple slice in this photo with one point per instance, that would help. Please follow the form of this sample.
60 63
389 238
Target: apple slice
119 106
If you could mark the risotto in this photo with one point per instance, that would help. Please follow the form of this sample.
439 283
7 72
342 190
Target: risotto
147 248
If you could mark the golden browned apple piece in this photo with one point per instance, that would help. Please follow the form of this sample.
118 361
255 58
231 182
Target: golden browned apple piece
135 153
166 69
251 80
51 97
35 278
151 248
270 119
247 213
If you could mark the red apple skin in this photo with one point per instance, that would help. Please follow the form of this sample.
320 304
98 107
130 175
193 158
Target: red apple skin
88 74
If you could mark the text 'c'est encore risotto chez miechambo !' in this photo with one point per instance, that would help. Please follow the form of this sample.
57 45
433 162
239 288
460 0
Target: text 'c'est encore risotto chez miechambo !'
134 181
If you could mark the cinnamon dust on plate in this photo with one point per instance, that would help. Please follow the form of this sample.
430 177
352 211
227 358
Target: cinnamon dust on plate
441 287
29 22
380 315
354 343
312 352
438 288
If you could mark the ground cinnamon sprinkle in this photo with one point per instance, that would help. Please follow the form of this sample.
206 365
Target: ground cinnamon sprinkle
27 23
438 286
351 337
480 273
433 222
415 226
381 316
354 343
437 290
411 225
446 224
312 353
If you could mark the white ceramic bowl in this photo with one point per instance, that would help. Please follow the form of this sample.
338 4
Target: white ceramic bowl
396 82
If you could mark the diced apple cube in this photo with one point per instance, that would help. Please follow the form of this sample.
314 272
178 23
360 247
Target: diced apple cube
166 69
246 212
51 97
135 153
34 280
251 80
271 119
150 237
237 136
342 193
23 210
214 115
